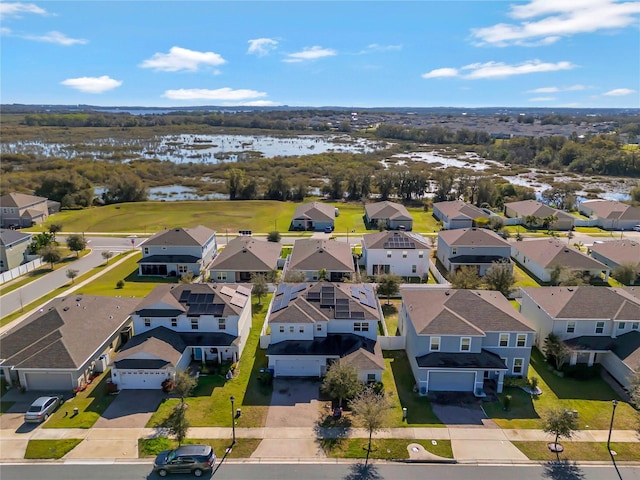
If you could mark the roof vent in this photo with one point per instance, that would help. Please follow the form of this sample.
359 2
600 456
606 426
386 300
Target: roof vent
447 293
65 309
111 317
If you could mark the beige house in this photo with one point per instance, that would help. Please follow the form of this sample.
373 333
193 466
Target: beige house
618 252
394 215
316 216
458 214
311 255
532 208
242 257
14 247
22 210
611 214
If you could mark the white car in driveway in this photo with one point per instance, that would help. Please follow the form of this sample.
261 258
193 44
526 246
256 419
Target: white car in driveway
636 228
42 408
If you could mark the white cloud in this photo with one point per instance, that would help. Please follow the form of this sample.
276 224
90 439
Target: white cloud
5 31
572 88
17 9
543 22
182 59
619 92
542 99
376 48
260 103
221 94
56 37
262 46
441 73
310 53
92 84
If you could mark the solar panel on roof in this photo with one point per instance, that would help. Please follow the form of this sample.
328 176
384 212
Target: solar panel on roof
299 287
238 300
184 296
217 309
208 298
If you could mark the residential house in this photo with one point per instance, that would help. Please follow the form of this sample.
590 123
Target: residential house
22 210
541 256
474 247
176 325
14 248
176 251
599 324
395 216
244 256
611 214
459 214
616 253
403 253
463 340
310 255
526 209
315 216
59 347
315 324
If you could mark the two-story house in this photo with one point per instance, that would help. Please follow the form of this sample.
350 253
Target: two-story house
22 210
244 256
395 216
599 324
463 340
14 247
310 255
405 254
176 325
315 324
473 247
176 251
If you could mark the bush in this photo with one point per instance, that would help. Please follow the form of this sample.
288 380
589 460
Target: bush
120 284
515 382
581 371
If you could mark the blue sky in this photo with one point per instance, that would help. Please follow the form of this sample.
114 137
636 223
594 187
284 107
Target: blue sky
535 53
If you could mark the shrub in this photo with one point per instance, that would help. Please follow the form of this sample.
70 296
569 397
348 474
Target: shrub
120 284
581 371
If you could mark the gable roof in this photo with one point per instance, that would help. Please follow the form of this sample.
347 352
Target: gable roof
197 236
396 240
619 251
587 302
66 332
11 237
316 211
387 210
315 254
19 200
460 312
460 209
612 209
626 346
550 253
248 254
472 237
533 207
363 359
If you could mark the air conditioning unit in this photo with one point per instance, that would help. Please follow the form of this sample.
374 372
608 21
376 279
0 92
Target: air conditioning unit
102 363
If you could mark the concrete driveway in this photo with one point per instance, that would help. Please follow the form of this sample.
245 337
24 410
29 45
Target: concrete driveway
13 417
131 409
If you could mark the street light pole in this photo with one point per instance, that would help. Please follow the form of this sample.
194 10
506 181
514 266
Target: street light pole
233 420
615 404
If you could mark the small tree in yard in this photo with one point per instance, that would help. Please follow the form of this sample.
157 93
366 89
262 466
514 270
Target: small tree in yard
76 243
183 384
107 255
626 273
388 284
72 274
555 350
371 411
561 423
274 236
341 382
465 277
50 253
55 228
186 277
500 277
260 287
294 276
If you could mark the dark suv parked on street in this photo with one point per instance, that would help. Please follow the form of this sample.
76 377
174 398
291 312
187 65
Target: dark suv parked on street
196 459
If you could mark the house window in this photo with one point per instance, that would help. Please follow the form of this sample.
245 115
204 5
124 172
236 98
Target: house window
404 254
635 325
182 269
505 360
420 254
371 377
301 330
414 268
465 344
361 327
319 327
388 253
174 322
147 322
517 366
146 250
621 325
281 328
599 327
291 329
521 340
194 324
434 344
504 340
571 327
221 276
454 250
222 324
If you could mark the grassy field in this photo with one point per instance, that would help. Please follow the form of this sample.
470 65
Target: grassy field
243 448
50 448
581 451
221 215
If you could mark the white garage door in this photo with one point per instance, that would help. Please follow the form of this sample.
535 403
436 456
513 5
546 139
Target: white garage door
297 368
137 380
48 381
452 381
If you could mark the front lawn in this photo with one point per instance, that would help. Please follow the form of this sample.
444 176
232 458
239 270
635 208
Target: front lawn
382 448
243 448
210 403
590 398
581 451
50 448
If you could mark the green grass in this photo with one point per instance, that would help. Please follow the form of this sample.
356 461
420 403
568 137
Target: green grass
523 279
391 315
243 448
90 403
581 451
209 404
382 448
398 382
50 448
591 398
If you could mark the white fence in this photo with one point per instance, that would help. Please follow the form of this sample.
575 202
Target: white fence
20 270
392 343
436 274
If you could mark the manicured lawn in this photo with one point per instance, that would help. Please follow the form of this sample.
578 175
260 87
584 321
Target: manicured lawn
243 448
50 448
90 403
523 279
210 403
382 448
398 383
581 451
591 398
391 315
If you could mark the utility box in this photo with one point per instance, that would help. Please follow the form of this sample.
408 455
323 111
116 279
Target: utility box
102 363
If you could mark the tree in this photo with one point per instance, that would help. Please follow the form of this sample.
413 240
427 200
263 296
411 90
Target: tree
626 273
260 287
274 236
236 182
55 228
322 274
561 423
388 284
371 411
107 255
70 189
634 389
562 275
39 241
72 274
381 224
76 243
125 188
500 277
465 277
341 381
555 350
294 276
50 253
549 221
531 221
186 277
183 384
